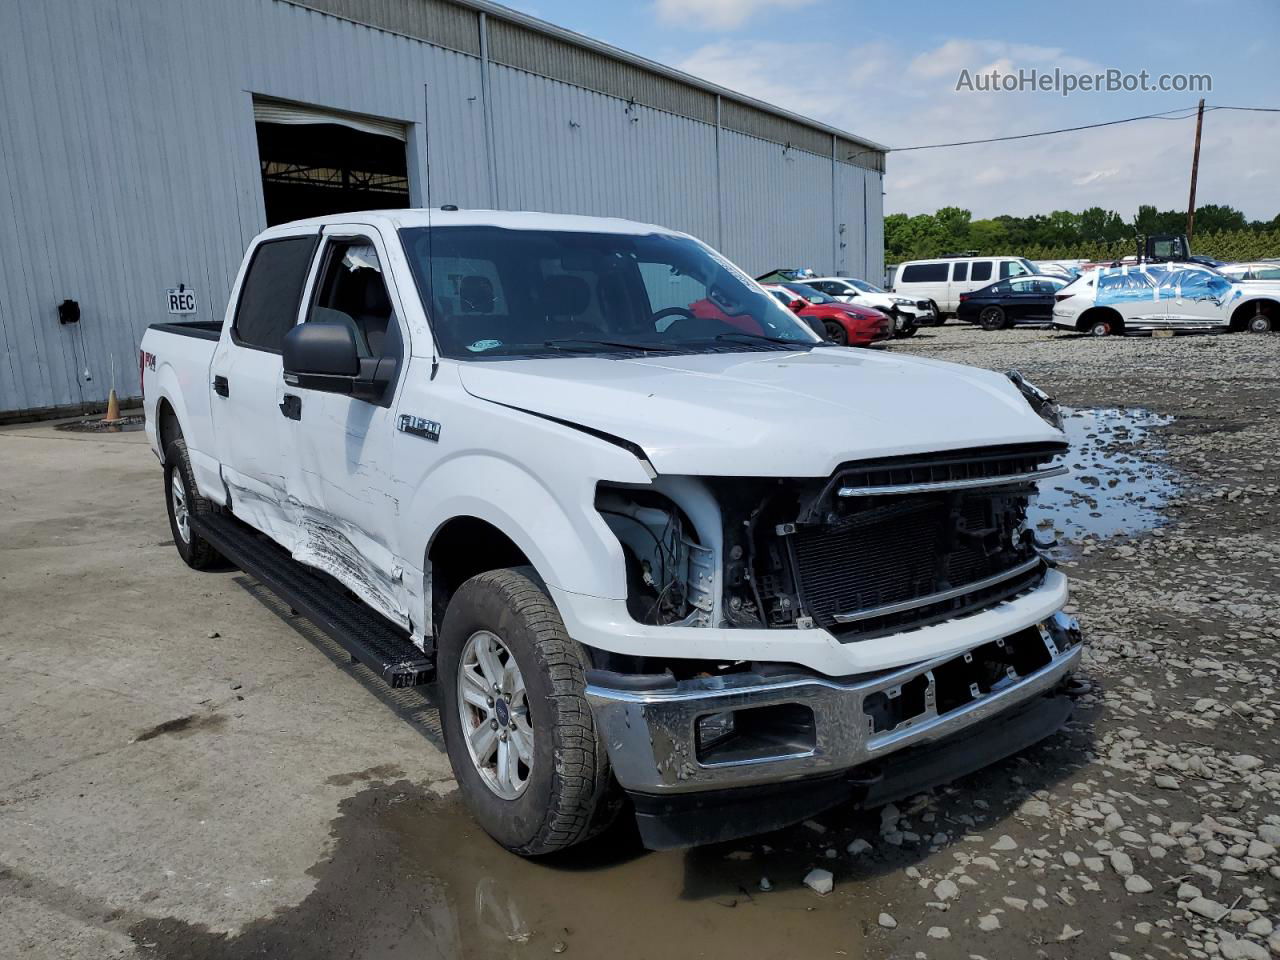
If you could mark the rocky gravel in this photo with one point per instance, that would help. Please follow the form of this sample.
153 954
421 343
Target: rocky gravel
1149 828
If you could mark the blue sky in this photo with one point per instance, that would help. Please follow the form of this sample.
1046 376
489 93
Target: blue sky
888 71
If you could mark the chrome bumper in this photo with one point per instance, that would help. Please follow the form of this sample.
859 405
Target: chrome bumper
652 735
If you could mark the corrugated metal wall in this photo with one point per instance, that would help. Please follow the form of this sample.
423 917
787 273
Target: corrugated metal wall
128 162
570 150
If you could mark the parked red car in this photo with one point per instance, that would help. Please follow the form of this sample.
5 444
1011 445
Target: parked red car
845 324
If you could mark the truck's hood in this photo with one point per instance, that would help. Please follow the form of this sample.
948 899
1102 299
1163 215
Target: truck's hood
768 414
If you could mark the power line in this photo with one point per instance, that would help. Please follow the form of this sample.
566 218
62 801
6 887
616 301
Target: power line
1183 113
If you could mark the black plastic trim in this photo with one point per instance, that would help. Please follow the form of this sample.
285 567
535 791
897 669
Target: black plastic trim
373 640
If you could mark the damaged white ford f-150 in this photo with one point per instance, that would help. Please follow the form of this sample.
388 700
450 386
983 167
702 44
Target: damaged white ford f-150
659 547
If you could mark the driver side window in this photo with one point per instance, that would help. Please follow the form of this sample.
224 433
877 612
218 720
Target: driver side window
352 292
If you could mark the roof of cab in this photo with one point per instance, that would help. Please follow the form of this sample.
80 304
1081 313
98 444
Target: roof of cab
508 219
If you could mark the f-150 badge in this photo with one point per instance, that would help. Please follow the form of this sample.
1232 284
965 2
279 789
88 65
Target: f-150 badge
427 429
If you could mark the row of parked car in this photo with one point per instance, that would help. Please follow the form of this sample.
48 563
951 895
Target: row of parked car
1138 293
845 310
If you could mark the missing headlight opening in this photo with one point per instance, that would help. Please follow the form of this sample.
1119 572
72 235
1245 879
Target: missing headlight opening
883 546
669 573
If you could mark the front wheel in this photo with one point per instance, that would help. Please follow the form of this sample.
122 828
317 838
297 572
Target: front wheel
836 333
1259 323
907 330
992 318
519 731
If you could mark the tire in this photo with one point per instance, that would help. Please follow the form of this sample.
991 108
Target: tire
564 793
182 501
836 333
1102 327
1258 323
992 318
908 331
938 318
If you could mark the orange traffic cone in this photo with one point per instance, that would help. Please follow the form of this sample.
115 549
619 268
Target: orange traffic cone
113 408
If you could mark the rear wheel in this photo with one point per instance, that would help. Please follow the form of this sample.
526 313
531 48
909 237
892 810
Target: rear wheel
520 734
1101 327
992 318
184 501
836 333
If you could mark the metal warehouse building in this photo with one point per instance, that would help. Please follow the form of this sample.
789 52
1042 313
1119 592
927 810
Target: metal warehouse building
143 143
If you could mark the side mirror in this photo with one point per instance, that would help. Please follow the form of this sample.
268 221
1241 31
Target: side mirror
324 356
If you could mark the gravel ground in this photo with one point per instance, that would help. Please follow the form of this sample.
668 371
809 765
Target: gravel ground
188 771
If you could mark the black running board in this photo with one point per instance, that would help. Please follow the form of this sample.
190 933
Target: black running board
371 639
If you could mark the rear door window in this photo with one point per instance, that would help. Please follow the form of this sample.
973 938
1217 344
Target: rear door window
271 292
960 270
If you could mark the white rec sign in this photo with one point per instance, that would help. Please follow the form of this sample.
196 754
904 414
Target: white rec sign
181 300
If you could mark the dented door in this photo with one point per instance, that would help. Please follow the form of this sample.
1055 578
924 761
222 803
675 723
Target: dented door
345 508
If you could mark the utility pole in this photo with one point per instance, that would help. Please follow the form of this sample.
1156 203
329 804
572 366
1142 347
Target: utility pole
1195 172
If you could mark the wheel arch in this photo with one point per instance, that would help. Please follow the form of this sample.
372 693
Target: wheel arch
1100 313
514 519
168 427
1264 305
461 547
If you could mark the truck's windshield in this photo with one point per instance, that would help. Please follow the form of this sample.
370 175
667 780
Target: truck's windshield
494 292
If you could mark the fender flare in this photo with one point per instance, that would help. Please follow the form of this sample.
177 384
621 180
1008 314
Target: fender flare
572 549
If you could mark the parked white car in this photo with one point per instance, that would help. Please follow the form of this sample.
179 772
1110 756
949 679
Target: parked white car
1178 296
864 294
941 281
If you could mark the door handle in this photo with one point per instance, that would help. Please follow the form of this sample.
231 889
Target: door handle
291 406
221 387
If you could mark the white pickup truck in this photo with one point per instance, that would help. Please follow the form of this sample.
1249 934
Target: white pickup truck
659 547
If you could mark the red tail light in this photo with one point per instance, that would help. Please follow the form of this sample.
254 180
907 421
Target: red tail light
964 296
1059 297
142 370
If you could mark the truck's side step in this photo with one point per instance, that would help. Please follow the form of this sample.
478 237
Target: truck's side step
376 642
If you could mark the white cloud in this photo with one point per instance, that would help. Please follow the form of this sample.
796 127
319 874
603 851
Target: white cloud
719 14
886 95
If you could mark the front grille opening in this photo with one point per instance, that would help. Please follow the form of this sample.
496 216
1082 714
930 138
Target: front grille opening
902 551
925 616
887 709
960 465
755 733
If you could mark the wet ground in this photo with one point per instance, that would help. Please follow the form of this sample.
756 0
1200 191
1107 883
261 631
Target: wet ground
186 771
1119 480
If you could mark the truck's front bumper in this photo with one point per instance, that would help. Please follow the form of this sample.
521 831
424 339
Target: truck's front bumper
778 725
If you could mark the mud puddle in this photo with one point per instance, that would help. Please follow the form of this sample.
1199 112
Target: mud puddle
412 876
1118 482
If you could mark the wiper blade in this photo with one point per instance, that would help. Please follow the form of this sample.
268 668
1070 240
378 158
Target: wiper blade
559 344
743 335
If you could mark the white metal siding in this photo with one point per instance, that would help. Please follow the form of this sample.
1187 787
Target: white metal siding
567 150
778 205
129 164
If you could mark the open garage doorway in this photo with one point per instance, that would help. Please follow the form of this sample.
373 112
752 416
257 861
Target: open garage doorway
316 161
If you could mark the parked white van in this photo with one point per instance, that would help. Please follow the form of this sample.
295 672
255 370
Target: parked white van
941 281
